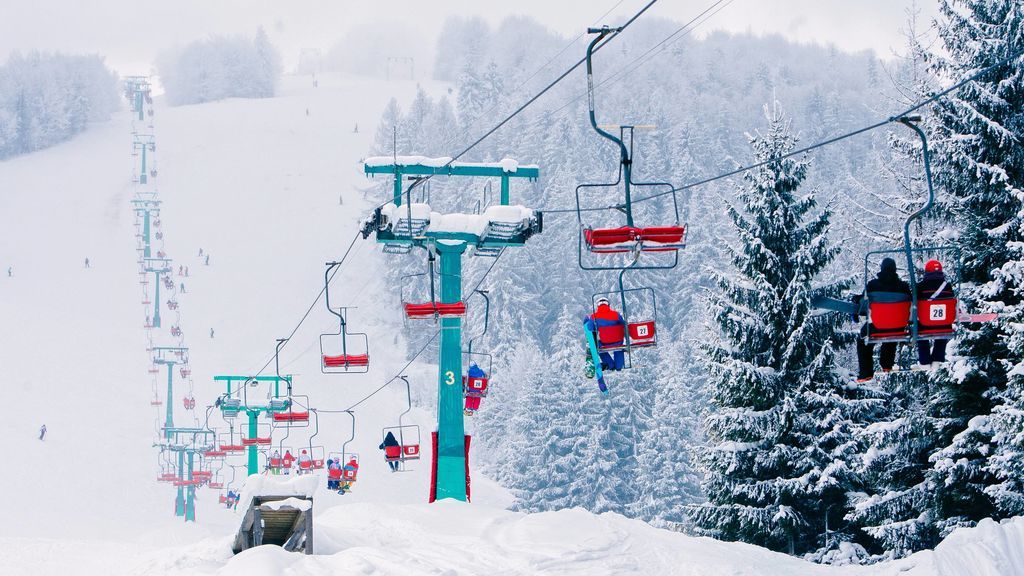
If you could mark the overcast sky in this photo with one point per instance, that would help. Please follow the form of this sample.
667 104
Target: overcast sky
131 32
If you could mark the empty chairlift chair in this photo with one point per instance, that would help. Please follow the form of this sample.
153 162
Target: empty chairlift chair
342 352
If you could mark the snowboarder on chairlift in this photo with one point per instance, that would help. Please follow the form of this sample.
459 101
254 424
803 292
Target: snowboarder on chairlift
391 442
887 280
611 332
933 286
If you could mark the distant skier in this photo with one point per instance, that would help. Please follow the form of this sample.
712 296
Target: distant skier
207 259
8 271
211 333
356 129
181 270
182 287
86 262
392 451
611 332
186 271
200 252
42 431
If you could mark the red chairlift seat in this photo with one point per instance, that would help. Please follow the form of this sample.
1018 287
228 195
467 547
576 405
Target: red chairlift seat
348 475
216 486
291 417
255 441
232 447
180 483
185 372
411 452
312 464
431 309
662 238
153 370
202 474
642 334
346 360
475 387
610 240
167 477
392 453
628 238
222 499
215 453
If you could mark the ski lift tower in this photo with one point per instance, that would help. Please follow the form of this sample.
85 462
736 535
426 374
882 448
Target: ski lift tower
157 266
236 400
137 90
141 143
146 206
186 443
401 227
169 356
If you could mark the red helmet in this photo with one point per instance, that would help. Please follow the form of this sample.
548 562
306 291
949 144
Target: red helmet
933 266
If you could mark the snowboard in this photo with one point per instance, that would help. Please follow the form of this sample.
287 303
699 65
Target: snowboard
844 306
595 360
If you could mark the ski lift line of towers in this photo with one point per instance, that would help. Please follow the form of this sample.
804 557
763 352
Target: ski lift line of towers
184 442
400 228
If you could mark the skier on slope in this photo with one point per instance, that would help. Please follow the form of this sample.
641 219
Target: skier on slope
42 431
933 286
887 281
611 332
392 451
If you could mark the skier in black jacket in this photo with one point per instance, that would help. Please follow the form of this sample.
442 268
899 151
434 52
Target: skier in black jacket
933 286
887 280
392 451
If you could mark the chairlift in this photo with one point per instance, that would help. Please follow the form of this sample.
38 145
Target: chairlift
629 237
478 366
228 444
262 438
293 412
407 435
639 310
896 317
431 309
354 346
344 457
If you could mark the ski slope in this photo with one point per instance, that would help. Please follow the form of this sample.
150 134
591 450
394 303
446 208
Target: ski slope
270 193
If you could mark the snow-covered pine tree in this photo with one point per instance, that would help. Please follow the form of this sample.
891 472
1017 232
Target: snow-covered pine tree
978 156
770 474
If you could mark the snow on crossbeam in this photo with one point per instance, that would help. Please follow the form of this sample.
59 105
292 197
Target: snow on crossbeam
423 165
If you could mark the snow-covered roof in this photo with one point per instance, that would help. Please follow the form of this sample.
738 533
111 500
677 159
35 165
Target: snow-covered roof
260 485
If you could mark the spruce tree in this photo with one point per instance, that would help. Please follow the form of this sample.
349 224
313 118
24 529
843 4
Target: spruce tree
770 474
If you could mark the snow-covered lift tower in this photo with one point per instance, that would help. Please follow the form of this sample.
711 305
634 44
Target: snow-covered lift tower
141 143
137 90
186 443
401 227
169 356
146 206
236 400
157 266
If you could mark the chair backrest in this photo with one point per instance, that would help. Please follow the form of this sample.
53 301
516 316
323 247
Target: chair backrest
888 310
936 313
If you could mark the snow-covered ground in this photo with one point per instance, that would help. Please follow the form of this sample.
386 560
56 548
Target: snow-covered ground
271 193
